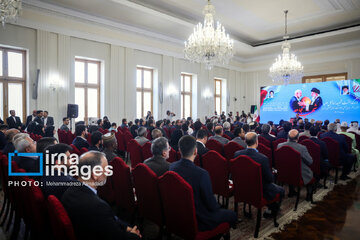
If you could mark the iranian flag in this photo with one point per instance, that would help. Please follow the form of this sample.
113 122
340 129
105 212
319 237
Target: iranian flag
256 114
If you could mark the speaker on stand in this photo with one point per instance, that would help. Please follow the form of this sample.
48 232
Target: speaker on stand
72 112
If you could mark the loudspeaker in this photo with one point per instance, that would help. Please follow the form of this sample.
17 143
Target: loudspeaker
252 109
72 111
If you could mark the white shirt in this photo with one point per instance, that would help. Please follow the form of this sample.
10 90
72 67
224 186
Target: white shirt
45 121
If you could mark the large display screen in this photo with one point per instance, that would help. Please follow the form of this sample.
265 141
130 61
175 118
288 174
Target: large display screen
319 101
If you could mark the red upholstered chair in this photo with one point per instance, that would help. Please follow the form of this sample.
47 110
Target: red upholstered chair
75 149
122 185
106 192
288 164
146 151
149 135
277 142
83 150
264 141
60 222
148 194
247 179
88 139
218 169
334 155
70 137
167 132
302 138
134 149
230 149
348 142
172 156
214 145
227 137
179 212
62 136
127 138
267 152
120 140
315 153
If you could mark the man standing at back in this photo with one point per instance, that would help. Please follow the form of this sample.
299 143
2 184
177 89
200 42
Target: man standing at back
208 212
306 162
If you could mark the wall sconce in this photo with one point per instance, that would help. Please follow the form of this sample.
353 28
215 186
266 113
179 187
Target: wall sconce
54 85
207 94
172 91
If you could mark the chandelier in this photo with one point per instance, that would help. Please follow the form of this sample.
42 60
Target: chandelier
286 68
9 10
207 44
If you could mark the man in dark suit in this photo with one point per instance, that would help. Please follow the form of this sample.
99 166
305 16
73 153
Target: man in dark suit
197 127
96 141
208 212
47 120
160 150
3 141
13 121
295 102
284 133
30 118
81 134
265 133
201 140
38 119
24 144
227 128
60 175
1 121
270 190
316 100
91 217
324 162
345 159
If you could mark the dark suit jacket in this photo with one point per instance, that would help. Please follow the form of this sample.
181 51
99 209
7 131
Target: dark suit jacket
268 137
92 218
340 139
1 121
80 143
158 164
294 104
28 120
323 147
49 189
39 121
230 134
28 164
12 124
208 212
9 148
316 104
201 148
50 121
282 134
269 190
3 140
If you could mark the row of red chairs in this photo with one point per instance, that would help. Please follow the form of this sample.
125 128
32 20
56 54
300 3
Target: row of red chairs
66 137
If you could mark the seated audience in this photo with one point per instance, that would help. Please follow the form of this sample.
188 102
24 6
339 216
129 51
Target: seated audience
9 147
324 162
160 149
3 141
306 131
270 189
175 137
345 159
141 136
354 127
113 127
265 133
49 131
208 212
96 141
65 124
91 217
59 179
219 136
197 127
227 128
201 139
81 134
284 133
239 136
24 144
45 142
156 133
344 127
124 123
109 146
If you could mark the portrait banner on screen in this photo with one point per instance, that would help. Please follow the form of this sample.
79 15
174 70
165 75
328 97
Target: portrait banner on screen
319 101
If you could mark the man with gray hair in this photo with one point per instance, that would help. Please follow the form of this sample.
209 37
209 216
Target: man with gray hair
306 159
265 133
346 160
160 149
24 144
141 136
156 133
227 128
93 218
9 147
219 136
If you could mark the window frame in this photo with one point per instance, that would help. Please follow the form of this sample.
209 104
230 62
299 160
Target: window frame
87 85
325 76
218 95
5 80
143 90
186 93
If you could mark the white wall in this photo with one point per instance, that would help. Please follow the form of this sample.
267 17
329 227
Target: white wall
53 42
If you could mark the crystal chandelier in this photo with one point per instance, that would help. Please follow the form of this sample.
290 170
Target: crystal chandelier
286 68
9 10
207 44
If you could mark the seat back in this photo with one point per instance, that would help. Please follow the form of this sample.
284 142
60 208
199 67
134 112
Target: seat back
302 138
127 138
88 139
212 144
120 140
62 136
146 151
227 137
172 156
315 153
106 192
70 137
179 212
277 142
74 149
348 143
267 152
134 149
83 150
334 151
264 141
148 194
288 164
217 166
230 149
60 222
122 185
247 180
